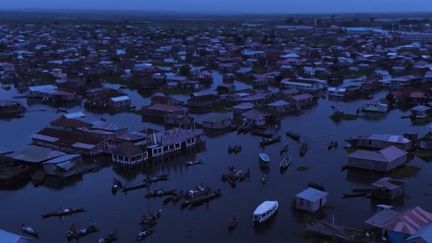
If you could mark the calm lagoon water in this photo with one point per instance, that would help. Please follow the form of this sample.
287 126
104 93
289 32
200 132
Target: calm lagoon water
208 223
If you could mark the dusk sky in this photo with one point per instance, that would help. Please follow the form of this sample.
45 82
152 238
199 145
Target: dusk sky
221 6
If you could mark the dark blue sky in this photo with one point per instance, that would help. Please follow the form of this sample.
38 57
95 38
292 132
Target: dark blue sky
244 6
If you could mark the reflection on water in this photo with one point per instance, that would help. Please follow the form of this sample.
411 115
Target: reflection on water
121 212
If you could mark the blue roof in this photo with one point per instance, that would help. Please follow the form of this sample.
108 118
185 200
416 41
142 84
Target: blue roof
424 233
312 194
62 159
8 237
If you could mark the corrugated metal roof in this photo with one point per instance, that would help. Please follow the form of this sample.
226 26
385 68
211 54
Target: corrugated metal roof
312 194
407 222
35 154
120 98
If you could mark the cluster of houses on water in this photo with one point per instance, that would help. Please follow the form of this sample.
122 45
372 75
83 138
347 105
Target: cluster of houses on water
72 146
288 69
282 69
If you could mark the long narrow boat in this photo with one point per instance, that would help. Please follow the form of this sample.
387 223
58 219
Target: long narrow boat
109 239
303 149
269 141
293 135
29 230
144 234
192 163
153 179
74 234
63 212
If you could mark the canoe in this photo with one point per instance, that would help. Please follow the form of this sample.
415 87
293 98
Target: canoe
286 161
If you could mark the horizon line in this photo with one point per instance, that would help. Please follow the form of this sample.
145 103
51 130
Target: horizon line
209 12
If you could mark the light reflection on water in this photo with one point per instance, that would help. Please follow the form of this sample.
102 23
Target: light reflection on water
121 213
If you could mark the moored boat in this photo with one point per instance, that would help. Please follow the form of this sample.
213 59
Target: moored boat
264 211
29 230
234 149
293 135
63 212
375 106
74 234
192 163
159 193
284 149
268 141
303 149
153 179
264 160
109 239
144 234
286 161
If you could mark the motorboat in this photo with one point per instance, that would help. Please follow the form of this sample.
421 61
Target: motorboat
264 160
375 106
264 211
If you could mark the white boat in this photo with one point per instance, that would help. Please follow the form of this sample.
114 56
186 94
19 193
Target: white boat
375 106
264 160
264 211
286 161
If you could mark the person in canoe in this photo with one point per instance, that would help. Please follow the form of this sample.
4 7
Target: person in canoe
29 230
232 224
109 239
144 234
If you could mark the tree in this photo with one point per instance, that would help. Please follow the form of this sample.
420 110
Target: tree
184 70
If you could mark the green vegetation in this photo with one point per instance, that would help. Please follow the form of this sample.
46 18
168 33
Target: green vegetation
405 171
339 116
185 70
117 80
423 154
177 91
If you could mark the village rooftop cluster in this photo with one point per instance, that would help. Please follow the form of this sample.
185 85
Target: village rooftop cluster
210 78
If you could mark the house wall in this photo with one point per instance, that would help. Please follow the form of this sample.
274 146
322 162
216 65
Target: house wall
119 104
308 205
378 144
376 165
133 160
217 125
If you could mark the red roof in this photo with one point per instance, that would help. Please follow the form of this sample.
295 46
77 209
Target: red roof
409 221
418 95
